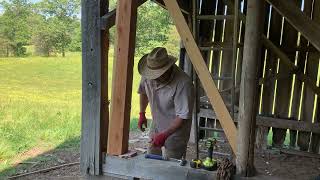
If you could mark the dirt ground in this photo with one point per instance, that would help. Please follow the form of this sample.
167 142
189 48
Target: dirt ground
269 163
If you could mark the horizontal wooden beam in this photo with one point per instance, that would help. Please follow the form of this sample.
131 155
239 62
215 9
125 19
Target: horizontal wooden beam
295 69
288 124
109 20
308 28
203 73
272 122
300 153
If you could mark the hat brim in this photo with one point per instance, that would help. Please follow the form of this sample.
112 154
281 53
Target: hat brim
148 73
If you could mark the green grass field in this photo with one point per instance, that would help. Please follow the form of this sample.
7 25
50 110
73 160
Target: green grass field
40 103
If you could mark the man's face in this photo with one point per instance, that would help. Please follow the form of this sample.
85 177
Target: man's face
165 77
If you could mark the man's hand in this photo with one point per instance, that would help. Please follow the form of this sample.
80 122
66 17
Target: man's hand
159 139
142 121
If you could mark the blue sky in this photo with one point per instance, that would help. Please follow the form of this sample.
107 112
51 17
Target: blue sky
1 9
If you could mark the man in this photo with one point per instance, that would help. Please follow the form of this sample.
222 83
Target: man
170 93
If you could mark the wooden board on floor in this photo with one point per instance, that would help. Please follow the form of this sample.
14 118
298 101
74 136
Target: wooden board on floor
122 77
203 73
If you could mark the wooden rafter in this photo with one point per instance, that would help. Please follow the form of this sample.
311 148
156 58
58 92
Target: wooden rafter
203 72
308 28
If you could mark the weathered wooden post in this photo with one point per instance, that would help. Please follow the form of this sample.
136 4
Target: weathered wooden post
248 89
94 91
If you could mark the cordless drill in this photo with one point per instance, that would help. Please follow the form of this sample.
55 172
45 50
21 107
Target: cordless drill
209 163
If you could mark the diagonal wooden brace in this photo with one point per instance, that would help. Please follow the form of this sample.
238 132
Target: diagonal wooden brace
203 73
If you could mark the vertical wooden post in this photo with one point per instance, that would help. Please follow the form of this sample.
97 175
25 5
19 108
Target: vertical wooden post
104 9
122 78
91 88
248 88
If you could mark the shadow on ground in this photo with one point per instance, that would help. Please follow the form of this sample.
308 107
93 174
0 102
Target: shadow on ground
66 152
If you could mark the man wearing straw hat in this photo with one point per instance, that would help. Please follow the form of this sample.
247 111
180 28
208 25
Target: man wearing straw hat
170 93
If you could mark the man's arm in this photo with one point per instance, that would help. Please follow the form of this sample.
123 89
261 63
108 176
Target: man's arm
142 115
174 126
143 102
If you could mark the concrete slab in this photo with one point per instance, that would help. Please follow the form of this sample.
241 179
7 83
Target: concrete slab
140 167
148 169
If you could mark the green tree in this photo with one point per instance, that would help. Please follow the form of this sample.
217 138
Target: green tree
62 15
152 28
15 24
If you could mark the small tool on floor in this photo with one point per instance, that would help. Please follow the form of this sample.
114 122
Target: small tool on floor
196 163
209 163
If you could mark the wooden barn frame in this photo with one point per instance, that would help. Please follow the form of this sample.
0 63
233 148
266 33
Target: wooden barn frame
260 50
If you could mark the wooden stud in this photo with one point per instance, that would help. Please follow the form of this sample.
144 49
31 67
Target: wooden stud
288 124
203 72
91 88
122 77
249 96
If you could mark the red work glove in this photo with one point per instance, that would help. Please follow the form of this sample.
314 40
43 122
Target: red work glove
142 121
159 139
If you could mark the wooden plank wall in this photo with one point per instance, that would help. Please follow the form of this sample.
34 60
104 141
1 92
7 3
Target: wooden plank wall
281 90
312 62
220 60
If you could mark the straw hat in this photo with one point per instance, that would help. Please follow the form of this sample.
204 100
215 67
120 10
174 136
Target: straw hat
156 63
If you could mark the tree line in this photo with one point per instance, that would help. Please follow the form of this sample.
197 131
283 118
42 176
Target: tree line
53 27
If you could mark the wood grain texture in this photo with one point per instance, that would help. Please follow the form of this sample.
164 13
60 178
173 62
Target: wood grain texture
249 96
104 8
91 88
122 77
203 72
